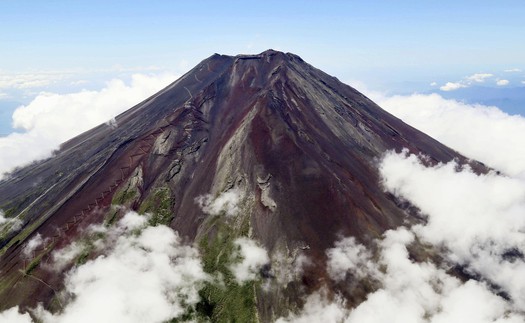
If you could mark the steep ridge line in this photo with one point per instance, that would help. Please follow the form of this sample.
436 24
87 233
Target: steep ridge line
80 216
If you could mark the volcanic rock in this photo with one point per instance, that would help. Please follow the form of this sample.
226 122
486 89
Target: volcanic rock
299 147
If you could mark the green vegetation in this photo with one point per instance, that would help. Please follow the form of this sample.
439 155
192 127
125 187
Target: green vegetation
124 196
9 213
84 254
158 204
32 265
23 234
225 301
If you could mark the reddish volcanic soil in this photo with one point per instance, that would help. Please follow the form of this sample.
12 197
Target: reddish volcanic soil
302 143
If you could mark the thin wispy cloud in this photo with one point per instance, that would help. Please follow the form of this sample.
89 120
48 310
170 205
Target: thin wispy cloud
30 80
479 77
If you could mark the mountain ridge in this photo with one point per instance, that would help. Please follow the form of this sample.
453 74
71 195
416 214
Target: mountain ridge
298 146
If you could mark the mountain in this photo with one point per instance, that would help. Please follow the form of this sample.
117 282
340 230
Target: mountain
298 149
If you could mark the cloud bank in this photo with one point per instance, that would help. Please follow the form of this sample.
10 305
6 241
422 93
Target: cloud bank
146 275
51 118
480 132
478 218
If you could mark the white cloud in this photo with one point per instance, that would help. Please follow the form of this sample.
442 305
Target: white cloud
433 84
451 86
32 245
63 257
421 292
287 269
3 219
30 80
502 82
480 132
227 203
410 292
348 256
466 81
479 77
145 276
318 308
12 224
51 118
478 218
253 258
133 221
13 315
513 70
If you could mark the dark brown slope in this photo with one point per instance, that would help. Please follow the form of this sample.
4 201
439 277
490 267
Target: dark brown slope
300 144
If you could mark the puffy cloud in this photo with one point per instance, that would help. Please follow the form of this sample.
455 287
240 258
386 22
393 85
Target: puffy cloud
13 315
433 84
479 77
287 269
410 292
348 255
227 203
252 259
478 218
502 82
147 275
451 86
32 245
52 118
318 308
513 70
480 132
466 81
131 221
65 256
422 292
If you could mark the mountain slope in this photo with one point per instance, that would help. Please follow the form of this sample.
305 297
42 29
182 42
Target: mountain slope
294 145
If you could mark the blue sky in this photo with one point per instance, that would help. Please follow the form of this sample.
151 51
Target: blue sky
347 35
392 46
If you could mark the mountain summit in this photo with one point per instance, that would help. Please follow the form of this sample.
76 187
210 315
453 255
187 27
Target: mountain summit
259 146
